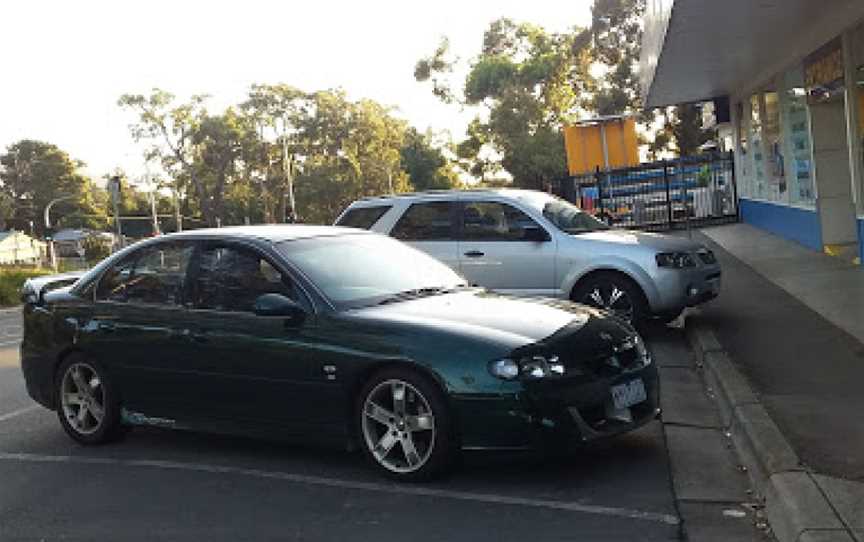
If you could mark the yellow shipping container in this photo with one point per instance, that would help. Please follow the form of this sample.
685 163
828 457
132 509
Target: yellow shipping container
604 143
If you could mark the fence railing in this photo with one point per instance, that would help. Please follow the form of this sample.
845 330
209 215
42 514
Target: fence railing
659 195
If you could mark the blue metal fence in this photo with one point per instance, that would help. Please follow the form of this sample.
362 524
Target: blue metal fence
659 195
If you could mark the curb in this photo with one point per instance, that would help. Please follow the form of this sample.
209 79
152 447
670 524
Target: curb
796 508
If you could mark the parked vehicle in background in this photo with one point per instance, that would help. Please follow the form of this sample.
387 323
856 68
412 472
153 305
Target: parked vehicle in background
531 243
322 334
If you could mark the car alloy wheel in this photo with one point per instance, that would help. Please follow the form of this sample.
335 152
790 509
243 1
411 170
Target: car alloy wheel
86 402
612 297
398 426
82 398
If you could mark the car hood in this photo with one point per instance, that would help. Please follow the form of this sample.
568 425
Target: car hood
508 321
655 241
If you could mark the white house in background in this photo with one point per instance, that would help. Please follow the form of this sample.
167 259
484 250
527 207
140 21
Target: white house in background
18 248
70 242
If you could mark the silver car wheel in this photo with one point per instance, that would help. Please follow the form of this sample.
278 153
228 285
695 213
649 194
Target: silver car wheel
398 426
609 296
82 398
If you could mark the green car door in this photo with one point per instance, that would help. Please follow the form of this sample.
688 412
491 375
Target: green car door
258 368
136 327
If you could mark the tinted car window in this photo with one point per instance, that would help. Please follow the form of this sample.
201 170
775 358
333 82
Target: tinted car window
231 279
152 275
492 221
362 217
426 222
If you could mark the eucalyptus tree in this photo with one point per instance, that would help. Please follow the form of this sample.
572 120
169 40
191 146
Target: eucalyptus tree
169 128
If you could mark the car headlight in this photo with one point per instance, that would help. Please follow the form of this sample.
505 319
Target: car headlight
529 368
677 260
506 369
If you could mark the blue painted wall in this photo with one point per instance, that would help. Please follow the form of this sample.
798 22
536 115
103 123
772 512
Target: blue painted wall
799 225
861 239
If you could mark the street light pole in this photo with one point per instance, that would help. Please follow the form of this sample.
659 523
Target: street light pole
153 189
114 188
52 257
289 175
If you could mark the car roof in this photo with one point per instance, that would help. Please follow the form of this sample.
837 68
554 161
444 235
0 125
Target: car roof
266 232
517 193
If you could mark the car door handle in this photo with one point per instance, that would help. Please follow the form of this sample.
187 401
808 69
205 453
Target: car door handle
474 254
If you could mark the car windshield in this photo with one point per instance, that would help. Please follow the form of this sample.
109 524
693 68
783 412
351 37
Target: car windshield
566 216
360 270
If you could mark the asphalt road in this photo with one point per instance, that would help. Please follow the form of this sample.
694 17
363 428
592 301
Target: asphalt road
162 485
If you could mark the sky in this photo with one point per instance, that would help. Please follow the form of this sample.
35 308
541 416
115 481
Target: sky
66 63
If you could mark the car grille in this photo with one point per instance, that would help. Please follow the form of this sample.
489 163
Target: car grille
707 257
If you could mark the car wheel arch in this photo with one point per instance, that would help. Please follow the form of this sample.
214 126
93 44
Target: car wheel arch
609 271
631 272
62 356
373 368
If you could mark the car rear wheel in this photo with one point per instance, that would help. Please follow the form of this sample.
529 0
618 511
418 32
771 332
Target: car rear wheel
613 292
404 425
86 402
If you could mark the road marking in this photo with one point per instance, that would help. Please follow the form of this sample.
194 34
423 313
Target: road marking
655 517
10 343
20 411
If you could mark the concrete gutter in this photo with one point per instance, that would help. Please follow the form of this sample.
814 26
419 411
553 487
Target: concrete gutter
796 505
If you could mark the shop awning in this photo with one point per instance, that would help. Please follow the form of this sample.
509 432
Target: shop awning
693 50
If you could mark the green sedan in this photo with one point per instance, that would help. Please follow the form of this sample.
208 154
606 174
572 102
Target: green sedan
327 335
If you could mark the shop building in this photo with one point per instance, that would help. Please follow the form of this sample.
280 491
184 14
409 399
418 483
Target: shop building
788 80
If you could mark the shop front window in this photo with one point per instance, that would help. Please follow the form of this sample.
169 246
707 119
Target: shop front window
741 126
775 169
857 52
796 145
757 153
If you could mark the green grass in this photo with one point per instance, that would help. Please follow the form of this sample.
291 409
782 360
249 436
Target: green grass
11 279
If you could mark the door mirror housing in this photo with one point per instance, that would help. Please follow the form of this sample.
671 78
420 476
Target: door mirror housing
276 305
535 234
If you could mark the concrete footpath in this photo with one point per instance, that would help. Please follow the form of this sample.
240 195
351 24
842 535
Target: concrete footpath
783 353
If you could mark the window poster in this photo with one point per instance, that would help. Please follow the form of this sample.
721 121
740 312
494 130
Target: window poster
824 73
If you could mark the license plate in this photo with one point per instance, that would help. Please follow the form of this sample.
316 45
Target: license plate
628 394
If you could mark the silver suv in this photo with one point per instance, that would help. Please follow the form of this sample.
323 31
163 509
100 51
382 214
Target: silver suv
524 242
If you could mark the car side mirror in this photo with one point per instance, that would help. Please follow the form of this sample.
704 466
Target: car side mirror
277 305
535 234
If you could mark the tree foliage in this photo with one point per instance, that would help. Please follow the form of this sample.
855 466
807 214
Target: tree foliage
527 83
426 165
32 174
240 164
616 41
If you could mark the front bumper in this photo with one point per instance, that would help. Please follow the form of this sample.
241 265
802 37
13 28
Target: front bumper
679 288
555 414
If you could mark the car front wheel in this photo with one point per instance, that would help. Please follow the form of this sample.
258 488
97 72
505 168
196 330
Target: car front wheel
86 403
613 292
404 425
